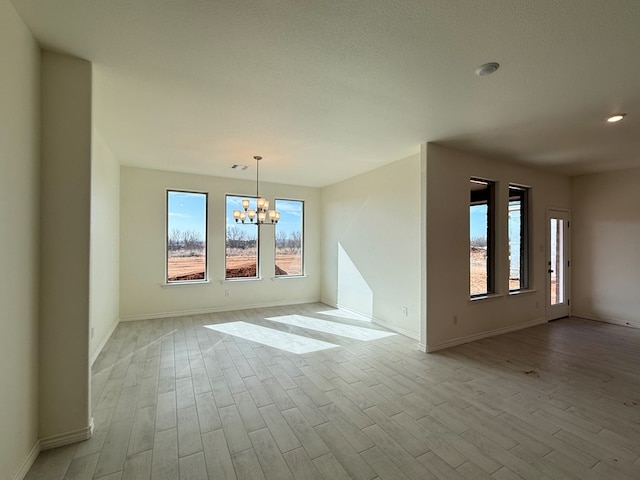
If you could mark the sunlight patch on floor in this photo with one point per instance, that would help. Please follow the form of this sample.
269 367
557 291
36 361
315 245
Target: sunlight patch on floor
345 314
272 338
334 328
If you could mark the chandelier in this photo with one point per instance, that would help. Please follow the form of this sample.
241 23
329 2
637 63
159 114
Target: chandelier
261 215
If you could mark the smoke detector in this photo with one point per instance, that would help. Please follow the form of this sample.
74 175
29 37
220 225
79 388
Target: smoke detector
487 69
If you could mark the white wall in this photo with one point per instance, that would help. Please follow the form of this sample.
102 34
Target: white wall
19 172
105 243
605 245
64 249
448 174
142 248
371 247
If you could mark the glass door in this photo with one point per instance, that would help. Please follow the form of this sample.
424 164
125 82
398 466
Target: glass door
558 264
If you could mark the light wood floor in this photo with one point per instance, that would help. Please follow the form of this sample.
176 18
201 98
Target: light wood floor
173 399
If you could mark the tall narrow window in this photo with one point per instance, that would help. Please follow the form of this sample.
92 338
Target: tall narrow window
482 237
241 249
289 238
186 236
518 238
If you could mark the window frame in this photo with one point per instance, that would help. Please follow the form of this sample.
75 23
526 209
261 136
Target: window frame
524 194
258 275
168 191
302 240
491 234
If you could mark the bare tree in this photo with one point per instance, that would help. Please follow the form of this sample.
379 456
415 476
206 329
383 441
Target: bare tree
296 241
292 242
190 239
175 239
281 240
236 237
480 242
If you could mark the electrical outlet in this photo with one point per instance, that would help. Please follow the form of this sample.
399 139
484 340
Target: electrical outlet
455 319
405 311
91 332
227 293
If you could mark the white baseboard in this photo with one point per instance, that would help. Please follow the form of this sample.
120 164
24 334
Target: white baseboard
103 342
68 438
226 308
394 328
28 462
614 321
480 336
383 323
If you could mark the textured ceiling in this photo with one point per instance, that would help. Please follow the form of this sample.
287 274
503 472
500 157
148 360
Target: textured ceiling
326 89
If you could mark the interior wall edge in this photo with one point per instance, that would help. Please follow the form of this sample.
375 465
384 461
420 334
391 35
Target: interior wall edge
99 348
28 462
480 336
610 320
67 438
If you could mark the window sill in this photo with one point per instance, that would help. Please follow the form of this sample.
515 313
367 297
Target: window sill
198 283
241 279
286 277
491 296
522 292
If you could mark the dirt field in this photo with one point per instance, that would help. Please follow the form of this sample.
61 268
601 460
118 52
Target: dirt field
478 277
289 263
240 266
185 268
478 266
193 268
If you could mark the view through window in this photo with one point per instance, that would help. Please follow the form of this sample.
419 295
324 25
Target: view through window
556 264
186 236
241 246
481 239
518 244
289 237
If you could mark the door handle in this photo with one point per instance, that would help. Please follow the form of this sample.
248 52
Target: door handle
549 271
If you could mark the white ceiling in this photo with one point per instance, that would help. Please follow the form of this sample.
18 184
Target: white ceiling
328 89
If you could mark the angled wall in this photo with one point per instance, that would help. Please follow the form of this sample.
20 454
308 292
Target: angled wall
371 245
105 244
64 249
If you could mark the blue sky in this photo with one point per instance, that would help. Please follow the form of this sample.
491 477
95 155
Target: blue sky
478 221
187 212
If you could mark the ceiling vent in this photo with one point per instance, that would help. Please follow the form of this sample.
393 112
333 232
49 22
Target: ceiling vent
237 166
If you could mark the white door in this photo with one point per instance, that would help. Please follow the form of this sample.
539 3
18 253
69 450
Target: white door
558 264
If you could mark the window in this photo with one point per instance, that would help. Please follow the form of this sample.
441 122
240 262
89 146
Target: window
186 236
482 237
289 236
241 246
518 238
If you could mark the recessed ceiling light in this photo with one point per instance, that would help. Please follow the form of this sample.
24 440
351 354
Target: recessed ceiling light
487 69
616 118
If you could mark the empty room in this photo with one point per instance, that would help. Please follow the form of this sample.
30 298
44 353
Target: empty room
319 240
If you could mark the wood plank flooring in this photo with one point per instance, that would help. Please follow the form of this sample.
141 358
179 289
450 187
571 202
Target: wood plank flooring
175 400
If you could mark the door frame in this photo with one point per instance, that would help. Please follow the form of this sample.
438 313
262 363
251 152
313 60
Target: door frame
554 312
